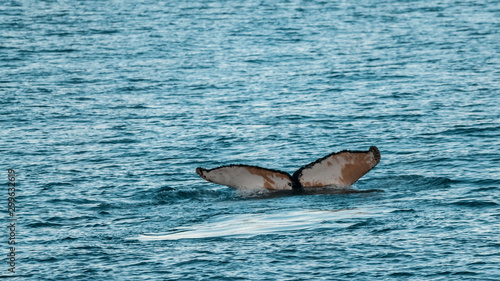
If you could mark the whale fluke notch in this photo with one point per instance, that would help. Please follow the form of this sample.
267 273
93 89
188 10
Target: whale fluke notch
340 169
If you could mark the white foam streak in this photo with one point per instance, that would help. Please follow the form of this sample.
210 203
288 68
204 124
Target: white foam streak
248 225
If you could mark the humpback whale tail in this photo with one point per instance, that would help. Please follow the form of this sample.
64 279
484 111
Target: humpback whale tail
342 169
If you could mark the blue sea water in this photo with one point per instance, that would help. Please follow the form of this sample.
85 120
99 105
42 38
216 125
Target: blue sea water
107 108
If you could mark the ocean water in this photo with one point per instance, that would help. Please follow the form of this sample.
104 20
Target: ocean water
107 108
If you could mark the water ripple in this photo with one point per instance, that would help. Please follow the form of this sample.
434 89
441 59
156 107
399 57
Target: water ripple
108 107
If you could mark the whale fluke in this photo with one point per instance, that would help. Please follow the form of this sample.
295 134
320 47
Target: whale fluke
341 169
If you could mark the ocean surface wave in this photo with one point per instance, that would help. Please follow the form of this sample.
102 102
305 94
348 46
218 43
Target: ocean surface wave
109 107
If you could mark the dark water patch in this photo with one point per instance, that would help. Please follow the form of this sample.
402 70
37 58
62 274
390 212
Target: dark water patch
475 131
401 274
484 189
494 245
168 195
103 31
471 203
483 181
104 207
39 106
58 51
69 239
404 211
119 141
382 230
464 273
53 185
44 224
59 33
390 256
412 183
340 191
75 201
125 106
84 98
85 218
368 223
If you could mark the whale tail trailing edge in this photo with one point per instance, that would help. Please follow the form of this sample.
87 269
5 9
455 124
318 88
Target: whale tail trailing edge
343 168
